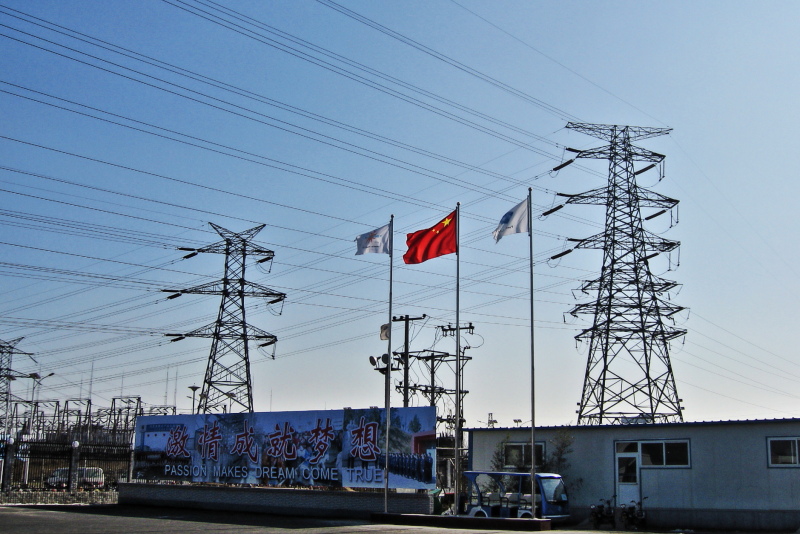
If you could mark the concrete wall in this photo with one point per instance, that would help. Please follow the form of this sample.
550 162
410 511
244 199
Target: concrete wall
729 483
58 497
274 500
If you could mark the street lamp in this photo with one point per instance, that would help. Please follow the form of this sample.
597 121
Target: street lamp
37 380
194 391
34 409
384 366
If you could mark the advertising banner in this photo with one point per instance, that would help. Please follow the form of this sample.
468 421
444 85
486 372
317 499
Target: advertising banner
321 448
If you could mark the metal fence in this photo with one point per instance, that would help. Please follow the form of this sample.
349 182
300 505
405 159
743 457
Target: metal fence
48 465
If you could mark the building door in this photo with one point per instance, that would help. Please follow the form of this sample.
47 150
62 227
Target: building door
627 471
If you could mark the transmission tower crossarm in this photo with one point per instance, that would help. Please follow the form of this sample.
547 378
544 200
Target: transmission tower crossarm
651 241
656 284
665 309
600 197
247 289
245 235
252 289
213 331
221 246
597 196
651 199
240 241
610 131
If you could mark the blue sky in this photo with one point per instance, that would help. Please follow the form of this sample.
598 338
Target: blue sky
320 126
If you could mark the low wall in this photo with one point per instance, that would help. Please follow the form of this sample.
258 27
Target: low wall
743 520
58 497
320 503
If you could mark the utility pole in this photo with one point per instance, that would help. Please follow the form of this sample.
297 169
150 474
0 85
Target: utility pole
407 320
432 359
228 382
460 393
628 375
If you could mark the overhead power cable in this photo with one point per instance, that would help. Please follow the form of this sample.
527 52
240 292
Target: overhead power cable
270 101
550 58
95 258
248 156
325 52
76 277
86 327
243 155
176 180
161 238
561 114
365 81
237 110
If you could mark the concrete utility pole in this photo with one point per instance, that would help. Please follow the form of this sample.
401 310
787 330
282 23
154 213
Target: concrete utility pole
407 320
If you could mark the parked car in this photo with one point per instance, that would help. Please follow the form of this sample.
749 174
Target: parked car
85 477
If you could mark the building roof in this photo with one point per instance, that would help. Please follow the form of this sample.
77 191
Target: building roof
643 425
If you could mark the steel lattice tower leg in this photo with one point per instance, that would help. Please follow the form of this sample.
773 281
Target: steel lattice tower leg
628 373
7 349
227 383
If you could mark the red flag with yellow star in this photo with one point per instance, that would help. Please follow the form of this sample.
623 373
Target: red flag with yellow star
438 240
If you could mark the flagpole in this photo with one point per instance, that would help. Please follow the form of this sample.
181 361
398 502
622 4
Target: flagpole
457 446
533 386
388 376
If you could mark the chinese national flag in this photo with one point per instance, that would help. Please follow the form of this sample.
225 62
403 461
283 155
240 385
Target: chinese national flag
432 242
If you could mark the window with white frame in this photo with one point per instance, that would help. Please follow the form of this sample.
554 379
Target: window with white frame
667 453
783 452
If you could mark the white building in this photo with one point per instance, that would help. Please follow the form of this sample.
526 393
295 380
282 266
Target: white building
742 475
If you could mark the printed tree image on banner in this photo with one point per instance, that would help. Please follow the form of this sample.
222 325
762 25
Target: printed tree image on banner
322 448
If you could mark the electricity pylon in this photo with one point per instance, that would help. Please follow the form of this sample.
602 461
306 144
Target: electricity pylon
7 351
629 376
228 385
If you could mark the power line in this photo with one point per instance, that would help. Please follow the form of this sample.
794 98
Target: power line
353 76
450 61
238 110
272 102
550 58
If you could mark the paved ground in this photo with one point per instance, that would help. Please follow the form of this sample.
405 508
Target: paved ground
117 519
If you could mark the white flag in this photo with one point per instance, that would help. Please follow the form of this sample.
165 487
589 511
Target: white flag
514 221
376 241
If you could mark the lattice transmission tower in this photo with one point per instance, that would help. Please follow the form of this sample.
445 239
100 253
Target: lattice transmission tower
7 351
628 376
228 385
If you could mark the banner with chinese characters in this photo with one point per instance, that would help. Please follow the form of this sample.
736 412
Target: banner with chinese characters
323 448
